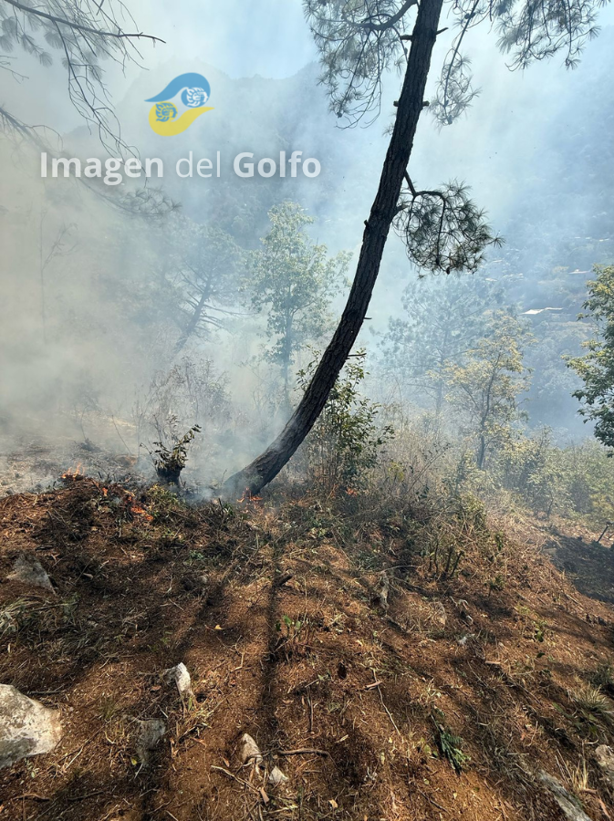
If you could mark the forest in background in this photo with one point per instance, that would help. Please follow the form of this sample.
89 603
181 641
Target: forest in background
133 314
166 307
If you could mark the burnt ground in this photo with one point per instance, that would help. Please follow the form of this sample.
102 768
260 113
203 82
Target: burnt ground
365 710
37 462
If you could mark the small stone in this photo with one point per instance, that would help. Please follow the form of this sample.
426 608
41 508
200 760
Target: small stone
276 777
179 675
151 732
29 570
195 584
605 759
27 727
383 589
250 752
442 616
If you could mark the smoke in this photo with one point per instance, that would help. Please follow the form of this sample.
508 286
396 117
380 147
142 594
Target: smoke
86 332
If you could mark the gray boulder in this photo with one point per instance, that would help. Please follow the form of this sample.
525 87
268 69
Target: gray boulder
179 676
250 751
276 777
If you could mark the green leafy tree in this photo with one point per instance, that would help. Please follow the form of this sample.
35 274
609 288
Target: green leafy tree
200 272
441 320
596 367
293 279
527 466
486 387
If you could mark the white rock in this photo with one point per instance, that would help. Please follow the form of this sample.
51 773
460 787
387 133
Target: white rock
27 727
250 752
276 777
29 570
179 675
566 801
605 759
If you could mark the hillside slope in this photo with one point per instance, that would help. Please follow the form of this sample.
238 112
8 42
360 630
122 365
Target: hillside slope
382 686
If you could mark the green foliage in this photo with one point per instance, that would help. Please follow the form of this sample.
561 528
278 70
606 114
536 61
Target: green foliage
293 279
574 480
603 675
191 391
291 628
528 466
82 35
596 367
197 275
450 745
359 40
485 388
450 536
593 703
356 47
345 442
163 505
443 230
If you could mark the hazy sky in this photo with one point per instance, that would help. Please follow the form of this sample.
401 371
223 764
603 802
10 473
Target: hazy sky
268 37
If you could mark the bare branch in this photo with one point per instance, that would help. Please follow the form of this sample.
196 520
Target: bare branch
79 27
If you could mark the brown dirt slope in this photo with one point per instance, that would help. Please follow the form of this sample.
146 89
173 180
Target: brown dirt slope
444 705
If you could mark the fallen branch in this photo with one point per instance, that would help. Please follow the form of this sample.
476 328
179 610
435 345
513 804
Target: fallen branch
304 751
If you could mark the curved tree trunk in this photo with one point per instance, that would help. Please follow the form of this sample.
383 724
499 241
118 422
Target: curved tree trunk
411 102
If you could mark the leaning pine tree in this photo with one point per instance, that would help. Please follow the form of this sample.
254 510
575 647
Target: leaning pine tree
443 230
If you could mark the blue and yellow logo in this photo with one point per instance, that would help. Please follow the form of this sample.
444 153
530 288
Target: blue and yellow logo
165 117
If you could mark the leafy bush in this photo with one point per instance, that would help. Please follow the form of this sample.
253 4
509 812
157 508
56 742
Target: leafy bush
528 467
450 745
576 479
169 461
346 441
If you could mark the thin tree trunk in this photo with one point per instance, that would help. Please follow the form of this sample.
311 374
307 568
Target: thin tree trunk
484 420
481 452
194 320
411 102
287 354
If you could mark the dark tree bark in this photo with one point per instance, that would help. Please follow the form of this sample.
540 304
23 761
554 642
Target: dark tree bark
411 102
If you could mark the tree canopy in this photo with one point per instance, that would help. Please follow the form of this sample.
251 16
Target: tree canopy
293 279
596 367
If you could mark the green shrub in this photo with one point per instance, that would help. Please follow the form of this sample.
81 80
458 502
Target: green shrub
346 441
